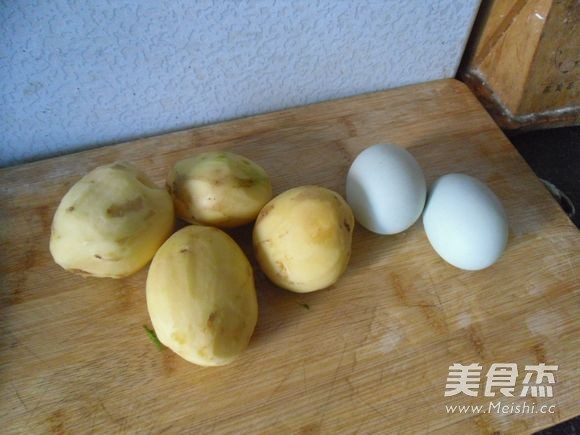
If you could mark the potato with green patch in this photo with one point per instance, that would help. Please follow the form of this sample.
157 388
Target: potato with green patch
221 189
201 296
111 222
302 238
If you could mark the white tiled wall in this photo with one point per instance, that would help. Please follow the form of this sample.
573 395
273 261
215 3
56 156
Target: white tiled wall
76 74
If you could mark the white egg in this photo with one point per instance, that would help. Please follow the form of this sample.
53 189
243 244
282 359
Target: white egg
465 222
386 189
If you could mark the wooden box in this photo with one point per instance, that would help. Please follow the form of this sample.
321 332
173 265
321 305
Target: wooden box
524 62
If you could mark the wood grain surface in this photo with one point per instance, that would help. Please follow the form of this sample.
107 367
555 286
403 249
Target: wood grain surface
370 354
523 61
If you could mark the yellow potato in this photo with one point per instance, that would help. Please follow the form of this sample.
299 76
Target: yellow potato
201 296
302 238
111 222
221 189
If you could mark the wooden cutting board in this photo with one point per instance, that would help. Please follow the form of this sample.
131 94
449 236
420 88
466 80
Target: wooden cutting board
370 354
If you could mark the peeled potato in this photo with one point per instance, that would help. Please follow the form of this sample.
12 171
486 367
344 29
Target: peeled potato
302 238
201 296
111 222
221 189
